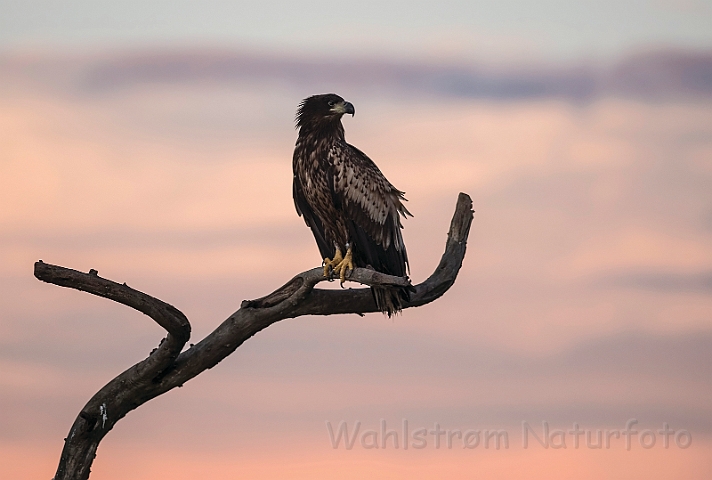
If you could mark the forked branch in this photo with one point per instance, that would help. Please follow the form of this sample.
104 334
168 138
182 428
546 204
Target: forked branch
166 367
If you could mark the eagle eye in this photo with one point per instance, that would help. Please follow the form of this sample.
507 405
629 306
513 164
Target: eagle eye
332 103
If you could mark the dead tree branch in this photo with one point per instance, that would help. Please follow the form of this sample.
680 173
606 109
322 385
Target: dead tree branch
166 367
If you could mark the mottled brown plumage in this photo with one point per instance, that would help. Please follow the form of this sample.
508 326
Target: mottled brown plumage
345 199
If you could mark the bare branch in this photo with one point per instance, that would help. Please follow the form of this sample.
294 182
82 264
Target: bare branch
164 314
167 368
122 394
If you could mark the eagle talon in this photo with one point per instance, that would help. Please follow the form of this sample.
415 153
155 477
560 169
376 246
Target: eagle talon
344 266
331 265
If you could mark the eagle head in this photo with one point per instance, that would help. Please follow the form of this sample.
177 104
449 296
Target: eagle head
325 108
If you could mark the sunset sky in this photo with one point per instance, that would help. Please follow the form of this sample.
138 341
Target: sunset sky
547 29
153 141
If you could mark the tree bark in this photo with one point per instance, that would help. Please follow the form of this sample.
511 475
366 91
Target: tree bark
168 366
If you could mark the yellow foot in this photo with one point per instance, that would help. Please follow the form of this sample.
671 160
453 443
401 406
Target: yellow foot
344 265
329 264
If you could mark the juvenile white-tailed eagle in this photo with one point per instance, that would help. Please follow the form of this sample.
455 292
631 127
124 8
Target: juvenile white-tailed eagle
346 201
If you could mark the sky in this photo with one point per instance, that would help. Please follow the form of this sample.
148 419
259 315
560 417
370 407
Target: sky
555 30
585 296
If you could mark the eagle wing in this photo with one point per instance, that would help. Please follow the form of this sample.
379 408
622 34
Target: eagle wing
326 249
372 207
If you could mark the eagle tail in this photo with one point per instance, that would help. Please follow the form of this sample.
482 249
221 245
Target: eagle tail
390 300
392 261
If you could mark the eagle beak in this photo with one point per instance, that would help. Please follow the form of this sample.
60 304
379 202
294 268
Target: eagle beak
344 107
349 108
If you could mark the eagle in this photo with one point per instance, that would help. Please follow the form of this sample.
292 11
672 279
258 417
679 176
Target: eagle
349 205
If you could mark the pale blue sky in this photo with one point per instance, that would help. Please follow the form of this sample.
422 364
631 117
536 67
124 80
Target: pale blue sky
545 29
